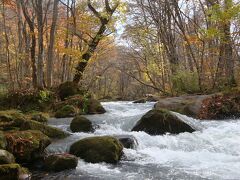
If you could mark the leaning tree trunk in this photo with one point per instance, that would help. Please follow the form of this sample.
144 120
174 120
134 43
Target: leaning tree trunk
104 19
88 54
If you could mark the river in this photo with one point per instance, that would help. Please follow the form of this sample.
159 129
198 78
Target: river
212 152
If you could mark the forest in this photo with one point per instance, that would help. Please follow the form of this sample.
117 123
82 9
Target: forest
88 70
124 51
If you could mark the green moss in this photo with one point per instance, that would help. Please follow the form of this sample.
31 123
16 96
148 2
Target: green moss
12 171
39 116
60 162
11 119
95 107
28 100
98 149
66 111
51 132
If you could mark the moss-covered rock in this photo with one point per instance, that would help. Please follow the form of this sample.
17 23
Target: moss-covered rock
158 122
94 107
77 101
39 117
51 132
3 142
26 146
28 100
60 162
6 157
66 111
98 149
81 124
11 119
13 172
67 89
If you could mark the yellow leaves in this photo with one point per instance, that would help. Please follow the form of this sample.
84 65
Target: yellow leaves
192 39
69 51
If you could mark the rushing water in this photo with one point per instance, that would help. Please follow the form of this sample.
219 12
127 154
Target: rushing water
212 152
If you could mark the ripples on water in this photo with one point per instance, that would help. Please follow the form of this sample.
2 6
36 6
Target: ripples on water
212 152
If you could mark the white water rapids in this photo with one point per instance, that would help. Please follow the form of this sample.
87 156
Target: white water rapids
212 152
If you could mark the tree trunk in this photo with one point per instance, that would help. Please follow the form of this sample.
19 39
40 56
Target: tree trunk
39 12
51 44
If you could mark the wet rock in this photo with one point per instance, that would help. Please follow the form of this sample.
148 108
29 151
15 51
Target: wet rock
94 107
127 141
81 124
13 172
159 122
51 132
66 111
27 146
60 162
140 101
98 149
6 157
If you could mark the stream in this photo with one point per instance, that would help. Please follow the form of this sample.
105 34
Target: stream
212 152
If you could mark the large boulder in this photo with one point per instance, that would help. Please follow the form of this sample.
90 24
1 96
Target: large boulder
3 142
66 111
159 122
13 172
187 105
60 162
94 107
98 149
67 89
27 146
6 157
81 124
51 132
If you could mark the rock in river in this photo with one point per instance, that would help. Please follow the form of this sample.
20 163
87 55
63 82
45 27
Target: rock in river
98 149
60 162
81 124
158 122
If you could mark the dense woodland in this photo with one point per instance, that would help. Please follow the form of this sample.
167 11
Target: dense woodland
120 49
